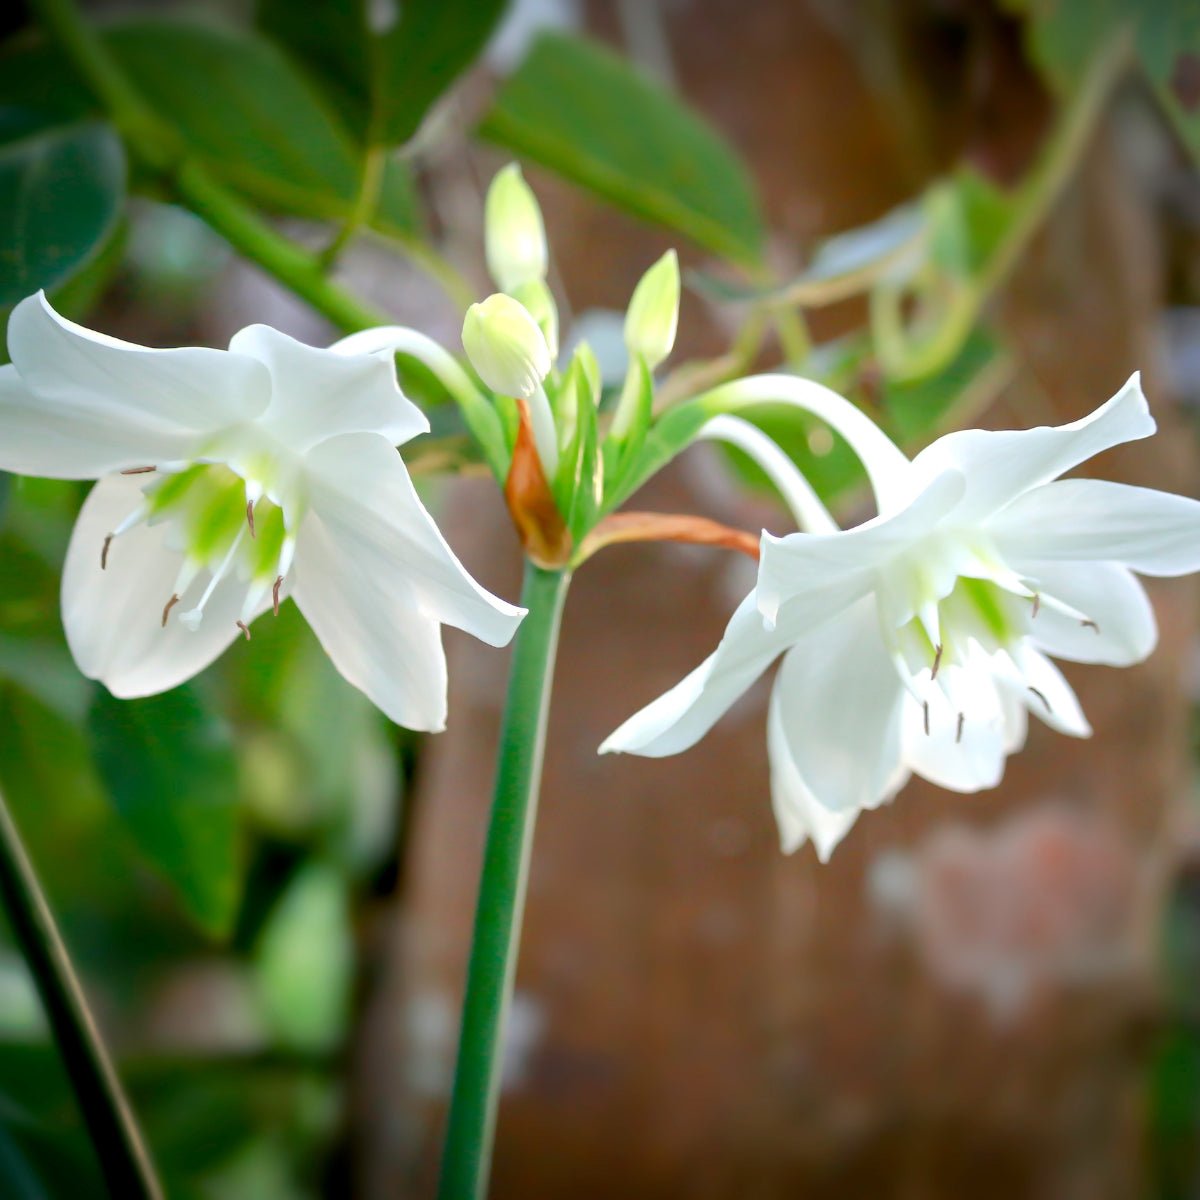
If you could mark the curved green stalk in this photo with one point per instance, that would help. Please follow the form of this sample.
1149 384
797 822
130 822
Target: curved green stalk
467 1153
122 1154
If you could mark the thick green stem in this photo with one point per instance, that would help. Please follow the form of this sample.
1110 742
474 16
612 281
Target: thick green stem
123 1156
467 1154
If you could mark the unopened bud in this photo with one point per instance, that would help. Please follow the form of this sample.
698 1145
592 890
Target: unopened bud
505 346
539 303
653 312
515 236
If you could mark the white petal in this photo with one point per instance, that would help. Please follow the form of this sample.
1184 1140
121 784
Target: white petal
364 613
792 564
967 756
681 717
76 404
1001 464
885 464
839 710
366 500
797 811
1151 532
113 617
1125 629
1049 695
318 394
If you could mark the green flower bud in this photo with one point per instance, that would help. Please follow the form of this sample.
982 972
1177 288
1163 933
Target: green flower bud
539 302
653 312
505 346
515 237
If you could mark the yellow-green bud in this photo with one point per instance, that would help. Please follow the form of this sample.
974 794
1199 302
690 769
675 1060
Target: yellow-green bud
515 237
539 303
505 346
653 312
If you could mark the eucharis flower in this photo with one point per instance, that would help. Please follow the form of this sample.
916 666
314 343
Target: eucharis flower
229 479
919 641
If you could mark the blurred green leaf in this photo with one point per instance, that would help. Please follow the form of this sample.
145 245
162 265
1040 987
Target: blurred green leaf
305 960
1066 35
383 83
44 1152
424 52
61 192
585 113
241 104
333 42
169 767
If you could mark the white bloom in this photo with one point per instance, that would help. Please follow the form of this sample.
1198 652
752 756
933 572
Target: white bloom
919 641
227 480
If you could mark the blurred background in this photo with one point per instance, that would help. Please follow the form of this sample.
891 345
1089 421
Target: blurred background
269 889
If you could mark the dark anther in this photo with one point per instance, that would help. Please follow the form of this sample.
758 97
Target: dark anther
1042 697
958 731
1037 604
250 516
1088 623
243 627
275 592
937 661
104 551
170 604
926 706
138 470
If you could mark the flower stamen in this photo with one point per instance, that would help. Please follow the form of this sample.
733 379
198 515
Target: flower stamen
925 706
937 661
959 729
170 604
275 593
1042 697
138 470
244 628
250 516
1088 623
1037 605
104 551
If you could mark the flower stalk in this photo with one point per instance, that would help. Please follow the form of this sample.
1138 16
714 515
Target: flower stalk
467 1152
120 1149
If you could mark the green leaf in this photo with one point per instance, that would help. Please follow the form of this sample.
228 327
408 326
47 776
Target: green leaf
169 768
842 265
333 43
241 105
583 112
430 45
305 960
62 188
383 84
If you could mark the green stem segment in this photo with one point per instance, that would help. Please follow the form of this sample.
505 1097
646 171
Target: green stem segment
467 1154
124 1159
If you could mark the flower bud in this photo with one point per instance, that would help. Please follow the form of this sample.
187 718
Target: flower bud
653 312
505 346
538 301
515 237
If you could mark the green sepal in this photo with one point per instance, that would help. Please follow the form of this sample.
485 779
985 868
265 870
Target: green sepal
621 450
579 483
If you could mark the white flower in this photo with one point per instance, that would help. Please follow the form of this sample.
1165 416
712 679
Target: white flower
919 641
227 480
